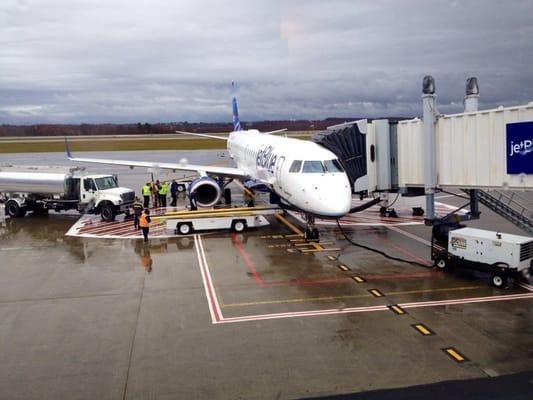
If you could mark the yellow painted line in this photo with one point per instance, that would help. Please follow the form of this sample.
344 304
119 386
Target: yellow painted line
320 250
307 244
291 236
298 240
434 290
322 298
358 279
297 300
424 330
397 309
343 267
291 226
454 354
277 236
376 293
332 258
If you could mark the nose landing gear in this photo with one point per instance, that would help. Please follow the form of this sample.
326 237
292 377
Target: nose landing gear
311 233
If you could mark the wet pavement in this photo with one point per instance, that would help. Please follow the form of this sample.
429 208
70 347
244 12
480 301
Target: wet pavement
247 315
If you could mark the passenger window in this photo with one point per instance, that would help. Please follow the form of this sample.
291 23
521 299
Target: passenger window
333 166
313 167
296 166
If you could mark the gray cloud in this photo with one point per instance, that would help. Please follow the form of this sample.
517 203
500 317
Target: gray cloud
128 61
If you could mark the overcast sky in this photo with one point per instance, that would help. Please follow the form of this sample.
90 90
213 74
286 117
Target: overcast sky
72 61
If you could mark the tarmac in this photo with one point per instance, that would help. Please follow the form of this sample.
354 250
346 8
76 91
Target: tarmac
254 315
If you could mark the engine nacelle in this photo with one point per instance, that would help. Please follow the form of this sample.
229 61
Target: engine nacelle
208 191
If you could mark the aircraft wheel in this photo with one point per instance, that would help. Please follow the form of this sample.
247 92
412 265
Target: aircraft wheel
181 187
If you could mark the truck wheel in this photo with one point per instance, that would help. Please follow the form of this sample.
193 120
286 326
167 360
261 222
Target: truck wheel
239 225
181 187
498 280
108 213
441 264
14 210
184 228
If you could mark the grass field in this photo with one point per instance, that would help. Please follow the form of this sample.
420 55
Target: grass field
20 145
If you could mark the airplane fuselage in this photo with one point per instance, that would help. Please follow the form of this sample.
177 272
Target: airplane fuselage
302 173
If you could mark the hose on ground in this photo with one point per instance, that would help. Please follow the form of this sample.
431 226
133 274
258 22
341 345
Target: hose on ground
379 251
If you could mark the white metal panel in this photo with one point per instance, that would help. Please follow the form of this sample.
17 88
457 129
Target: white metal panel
410 153
371 165
471 150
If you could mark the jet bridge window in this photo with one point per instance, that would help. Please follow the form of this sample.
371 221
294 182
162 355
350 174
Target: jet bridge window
313 167
296 166
333 166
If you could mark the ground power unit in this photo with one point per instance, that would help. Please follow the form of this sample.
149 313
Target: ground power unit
502 255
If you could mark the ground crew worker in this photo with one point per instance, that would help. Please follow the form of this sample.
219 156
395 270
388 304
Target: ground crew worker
155 191
137 211
174 192
192 199
147 191
144 223
163 190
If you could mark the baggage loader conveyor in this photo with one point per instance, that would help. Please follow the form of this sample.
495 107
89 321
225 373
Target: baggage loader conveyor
237 219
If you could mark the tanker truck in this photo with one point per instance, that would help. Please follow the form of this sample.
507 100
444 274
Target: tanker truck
39 189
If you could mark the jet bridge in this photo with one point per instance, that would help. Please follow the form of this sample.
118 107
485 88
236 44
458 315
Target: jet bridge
488 154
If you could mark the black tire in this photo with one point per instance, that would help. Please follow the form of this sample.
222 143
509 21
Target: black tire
227 196
441 264
184 228
14 210
498 280
239 225
107 212
418 211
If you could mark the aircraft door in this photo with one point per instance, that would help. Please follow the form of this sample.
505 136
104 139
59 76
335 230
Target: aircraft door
279 167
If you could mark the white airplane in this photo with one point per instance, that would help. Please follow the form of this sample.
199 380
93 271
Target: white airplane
300 175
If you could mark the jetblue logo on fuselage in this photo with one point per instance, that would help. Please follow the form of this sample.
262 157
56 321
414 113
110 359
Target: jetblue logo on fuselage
266 158
519 140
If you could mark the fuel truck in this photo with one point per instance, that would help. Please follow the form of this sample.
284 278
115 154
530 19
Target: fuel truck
39 189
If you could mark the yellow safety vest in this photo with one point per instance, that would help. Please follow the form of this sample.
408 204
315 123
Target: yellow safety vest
163 190
146 190
143 222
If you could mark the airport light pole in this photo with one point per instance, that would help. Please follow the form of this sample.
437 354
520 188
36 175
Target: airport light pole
471 103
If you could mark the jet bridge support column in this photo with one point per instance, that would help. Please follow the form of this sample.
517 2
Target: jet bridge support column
471 103
429 119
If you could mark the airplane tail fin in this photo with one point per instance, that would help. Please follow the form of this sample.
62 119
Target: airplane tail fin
236 121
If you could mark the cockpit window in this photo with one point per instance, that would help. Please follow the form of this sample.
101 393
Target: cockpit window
313 166
333 166
295 166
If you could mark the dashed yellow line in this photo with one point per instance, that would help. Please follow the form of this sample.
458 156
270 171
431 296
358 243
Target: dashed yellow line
376 293
397 309
332 258
358 279
454 354
330 298
343 267
424 330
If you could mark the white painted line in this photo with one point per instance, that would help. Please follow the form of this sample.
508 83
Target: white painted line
467 300
409 235
214 298
204 280
527 287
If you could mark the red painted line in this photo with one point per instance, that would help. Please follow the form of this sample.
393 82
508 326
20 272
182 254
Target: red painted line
303 282
237 243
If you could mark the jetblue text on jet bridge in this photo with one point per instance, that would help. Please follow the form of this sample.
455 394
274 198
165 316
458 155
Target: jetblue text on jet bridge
519 148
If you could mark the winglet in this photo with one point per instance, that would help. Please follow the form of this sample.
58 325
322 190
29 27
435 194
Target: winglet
67 149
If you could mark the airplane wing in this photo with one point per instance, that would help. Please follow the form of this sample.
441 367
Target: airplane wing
200 169
203 135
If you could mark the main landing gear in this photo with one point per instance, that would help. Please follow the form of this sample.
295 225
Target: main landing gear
311 233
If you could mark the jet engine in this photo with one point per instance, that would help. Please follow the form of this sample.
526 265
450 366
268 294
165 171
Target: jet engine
208 191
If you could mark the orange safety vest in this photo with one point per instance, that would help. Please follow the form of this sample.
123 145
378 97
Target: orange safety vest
143 222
